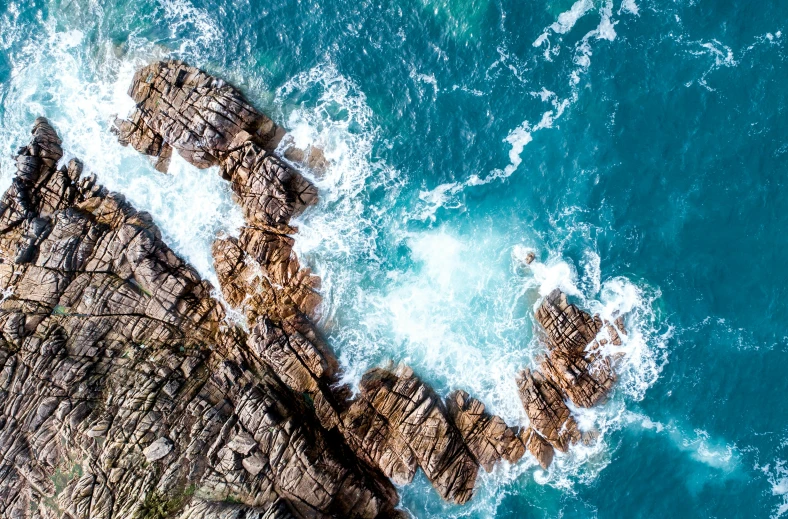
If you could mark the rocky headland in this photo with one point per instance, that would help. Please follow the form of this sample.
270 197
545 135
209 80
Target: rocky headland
126 392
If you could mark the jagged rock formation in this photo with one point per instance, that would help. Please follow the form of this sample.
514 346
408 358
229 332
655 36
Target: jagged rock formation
125 391
398 424
260 275
199 115
573 368
488 437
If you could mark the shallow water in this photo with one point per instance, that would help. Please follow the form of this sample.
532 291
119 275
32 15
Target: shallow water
638 147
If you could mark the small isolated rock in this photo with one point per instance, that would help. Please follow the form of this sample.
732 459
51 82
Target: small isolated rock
242 443
530 257
158 449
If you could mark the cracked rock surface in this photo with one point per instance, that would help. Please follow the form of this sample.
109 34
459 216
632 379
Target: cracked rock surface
391 431
574 368
126 392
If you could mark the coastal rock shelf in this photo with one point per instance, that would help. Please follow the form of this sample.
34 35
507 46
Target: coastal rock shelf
125 392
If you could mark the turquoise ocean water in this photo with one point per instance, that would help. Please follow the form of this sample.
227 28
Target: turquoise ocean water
639 147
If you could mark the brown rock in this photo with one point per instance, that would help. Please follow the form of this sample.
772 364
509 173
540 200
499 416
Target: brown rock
545 407
573 367
586 384
411 426
488 437
197 114
538 447
566 326
113 351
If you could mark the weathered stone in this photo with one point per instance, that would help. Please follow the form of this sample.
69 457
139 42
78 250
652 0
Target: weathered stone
242 443
546 409
398 421
158 449
567 326
538 447
574 367
255 463
114 353
488 438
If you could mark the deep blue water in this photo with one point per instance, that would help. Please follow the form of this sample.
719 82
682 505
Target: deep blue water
640 148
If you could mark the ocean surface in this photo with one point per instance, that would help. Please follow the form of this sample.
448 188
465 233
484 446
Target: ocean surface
638 147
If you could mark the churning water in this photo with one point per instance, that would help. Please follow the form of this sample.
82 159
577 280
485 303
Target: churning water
638 147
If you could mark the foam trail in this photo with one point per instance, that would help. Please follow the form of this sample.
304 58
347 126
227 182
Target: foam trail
713 452
778 479
341 232
565 22
444 195
629 6
453 308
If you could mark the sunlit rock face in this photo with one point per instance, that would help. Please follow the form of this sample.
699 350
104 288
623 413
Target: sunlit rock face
128 392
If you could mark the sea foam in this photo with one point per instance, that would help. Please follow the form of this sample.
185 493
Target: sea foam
81 93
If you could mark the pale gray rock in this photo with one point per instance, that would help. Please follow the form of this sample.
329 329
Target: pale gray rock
158 449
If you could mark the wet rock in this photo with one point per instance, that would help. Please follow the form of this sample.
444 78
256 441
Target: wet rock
540 448
575 366
567 327
585 383
620 324
573 363
545 407
197 114
398 423
312 157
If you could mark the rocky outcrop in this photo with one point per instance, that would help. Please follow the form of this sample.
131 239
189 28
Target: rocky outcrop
574 368
200 116
124 391
545 407
488 437
398 424
261 276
